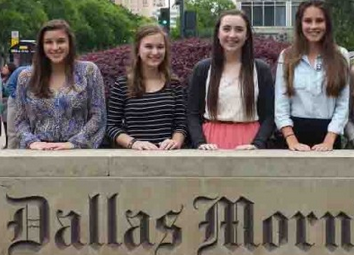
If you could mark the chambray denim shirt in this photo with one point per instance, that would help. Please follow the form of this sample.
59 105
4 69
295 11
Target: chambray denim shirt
310 99
12 81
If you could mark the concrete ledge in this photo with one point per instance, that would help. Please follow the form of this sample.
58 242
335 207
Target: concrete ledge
182 163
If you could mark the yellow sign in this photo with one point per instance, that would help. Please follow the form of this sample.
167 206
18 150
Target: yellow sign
15 38
14 41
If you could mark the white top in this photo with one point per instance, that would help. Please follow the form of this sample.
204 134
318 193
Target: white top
230 103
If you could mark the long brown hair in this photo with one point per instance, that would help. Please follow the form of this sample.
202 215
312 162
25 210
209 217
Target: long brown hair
351 77
39 82
136 87
334 63
246 72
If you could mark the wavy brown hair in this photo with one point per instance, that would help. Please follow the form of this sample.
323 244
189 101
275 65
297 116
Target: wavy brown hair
335 65
42 70
136 86
246 72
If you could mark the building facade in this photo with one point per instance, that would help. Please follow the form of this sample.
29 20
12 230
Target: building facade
145 8
271 17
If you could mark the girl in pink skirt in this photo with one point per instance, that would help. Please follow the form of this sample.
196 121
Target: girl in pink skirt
231 95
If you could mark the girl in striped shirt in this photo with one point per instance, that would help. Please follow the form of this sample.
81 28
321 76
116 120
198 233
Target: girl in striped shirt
146 110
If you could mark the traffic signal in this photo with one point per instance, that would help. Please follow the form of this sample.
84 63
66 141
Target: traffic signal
164 18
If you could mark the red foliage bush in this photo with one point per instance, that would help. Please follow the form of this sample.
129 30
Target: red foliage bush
185 54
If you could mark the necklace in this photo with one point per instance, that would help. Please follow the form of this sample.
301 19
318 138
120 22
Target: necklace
229 81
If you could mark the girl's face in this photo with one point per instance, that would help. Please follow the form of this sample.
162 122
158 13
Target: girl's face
232 33
313 24
5 70
56 45
152 50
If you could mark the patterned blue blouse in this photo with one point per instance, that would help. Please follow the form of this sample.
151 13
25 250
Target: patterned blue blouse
75 115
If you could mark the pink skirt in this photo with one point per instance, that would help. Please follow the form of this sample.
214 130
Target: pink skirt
230 135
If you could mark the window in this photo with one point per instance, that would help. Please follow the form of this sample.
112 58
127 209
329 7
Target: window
265 13
294 6
145 3
269 14
257 15
280 15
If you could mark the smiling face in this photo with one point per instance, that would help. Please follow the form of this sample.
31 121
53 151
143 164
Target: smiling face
313 24
232 33
56 45
152 50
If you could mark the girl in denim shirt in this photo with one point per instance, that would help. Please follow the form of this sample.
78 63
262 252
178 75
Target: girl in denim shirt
312 83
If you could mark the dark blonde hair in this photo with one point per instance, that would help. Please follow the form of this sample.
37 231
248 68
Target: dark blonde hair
335 65
246 72
39 82
136 87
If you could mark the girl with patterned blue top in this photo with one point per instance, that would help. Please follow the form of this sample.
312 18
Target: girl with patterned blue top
60 101
312 83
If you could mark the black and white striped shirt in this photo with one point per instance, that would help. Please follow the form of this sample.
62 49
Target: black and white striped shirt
153 117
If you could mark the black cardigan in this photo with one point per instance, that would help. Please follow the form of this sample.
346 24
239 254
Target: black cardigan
196 103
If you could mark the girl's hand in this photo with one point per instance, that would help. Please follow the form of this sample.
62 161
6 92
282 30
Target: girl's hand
299 147
208 147
38 146
322 147
294 144
60 146
246 147
142 145
169 144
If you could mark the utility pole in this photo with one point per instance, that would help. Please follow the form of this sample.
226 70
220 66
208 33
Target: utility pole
169 9
181 16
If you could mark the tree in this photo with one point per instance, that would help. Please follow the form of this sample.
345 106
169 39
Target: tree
97 24
343 13
23 16
208 12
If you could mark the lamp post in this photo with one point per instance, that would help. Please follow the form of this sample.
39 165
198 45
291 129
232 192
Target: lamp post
181 15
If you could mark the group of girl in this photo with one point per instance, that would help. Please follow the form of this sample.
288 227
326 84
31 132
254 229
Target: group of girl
232 101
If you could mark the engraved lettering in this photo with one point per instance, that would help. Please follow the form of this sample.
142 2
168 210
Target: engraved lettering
74 226
143 229
237 229
24 222
174 231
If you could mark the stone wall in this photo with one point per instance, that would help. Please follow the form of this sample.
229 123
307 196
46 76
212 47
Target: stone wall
180 202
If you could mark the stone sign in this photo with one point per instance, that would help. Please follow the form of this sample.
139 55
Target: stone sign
194 211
